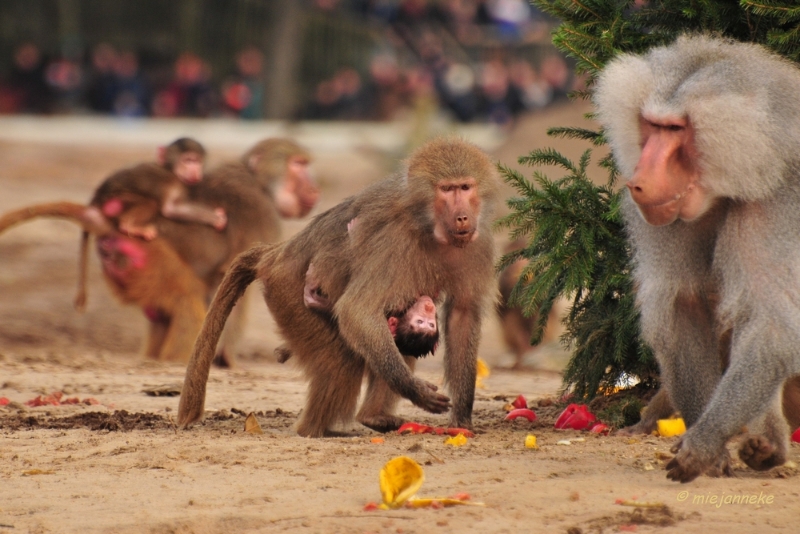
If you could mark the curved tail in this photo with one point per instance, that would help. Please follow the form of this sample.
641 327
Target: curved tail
241 274
88 217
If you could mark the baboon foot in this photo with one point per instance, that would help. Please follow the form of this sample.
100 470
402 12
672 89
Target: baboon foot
642 427
689 464
223 361
282 354
760 453
382 423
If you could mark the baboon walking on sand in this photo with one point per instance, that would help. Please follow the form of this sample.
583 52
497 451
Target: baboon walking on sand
708 130
425 231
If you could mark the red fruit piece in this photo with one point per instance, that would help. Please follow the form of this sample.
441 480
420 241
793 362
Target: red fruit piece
520 402
576 417
4 401
414 428
370 506
796 436
599 428
521 412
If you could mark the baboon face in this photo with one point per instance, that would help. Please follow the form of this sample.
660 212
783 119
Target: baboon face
666 182
456 207
188 167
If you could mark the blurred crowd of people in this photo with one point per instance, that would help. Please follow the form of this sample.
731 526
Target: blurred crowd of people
112 81
421 56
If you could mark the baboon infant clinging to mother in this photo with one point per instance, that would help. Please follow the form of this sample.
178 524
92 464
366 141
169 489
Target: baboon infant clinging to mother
709 130
426 231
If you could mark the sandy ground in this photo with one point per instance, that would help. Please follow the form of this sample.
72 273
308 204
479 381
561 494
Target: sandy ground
121 466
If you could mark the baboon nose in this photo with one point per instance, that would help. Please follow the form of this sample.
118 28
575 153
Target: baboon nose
462 219
429 307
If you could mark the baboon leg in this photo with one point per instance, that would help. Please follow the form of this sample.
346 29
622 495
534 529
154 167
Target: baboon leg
462 335
183 329
765 446
334 386
377 409
83 273
156 334
659 407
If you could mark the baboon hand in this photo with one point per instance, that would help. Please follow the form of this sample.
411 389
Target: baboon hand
220 219
428 399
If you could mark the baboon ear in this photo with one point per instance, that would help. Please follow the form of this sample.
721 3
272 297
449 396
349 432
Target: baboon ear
393 321
253 161
161 155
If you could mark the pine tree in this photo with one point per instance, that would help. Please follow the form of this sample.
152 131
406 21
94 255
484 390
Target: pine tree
575 235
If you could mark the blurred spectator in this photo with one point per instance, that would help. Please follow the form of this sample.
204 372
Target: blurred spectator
511 17
555 72
383 94
65 76
26 90
189 93
130 90
100 90
243 94
495 88
532 91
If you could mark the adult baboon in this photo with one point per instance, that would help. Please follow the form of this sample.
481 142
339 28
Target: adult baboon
708 130
426 231
271 181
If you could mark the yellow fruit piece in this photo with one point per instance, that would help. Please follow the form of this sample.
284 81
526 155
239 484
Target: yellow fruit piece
456 441
399 479
671 427
482 372
530 442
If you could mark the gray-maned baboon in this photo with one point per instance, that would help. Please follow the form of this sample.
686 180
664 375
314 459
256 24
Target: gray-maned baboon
434 221
708 130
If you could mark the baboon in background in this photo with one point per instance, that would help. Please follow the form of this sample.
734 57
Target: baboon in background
173 277
434 220
131 199
272 180
708 130
175 293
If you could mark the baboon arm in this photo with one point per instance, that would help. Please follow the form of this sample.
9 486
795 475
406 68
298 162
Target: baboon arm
364 329
462 335
176 206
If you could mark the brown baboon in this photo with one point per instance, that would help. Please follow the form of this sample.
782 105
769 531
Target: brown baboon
132 199
174 301
708 131
434 221
194 256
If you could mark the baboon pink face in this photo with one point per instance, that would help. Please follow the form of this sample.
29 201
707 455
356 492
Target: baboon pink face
298 193
666 183
188 167
456 209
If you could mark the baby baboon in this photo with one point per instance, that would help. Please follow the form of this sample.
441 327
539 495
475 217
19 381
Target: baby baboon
131 199
430 227
708 131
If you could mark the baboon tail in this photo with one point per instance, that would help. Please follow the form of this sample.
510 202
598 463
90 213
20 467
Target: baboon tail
72 211
240 275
